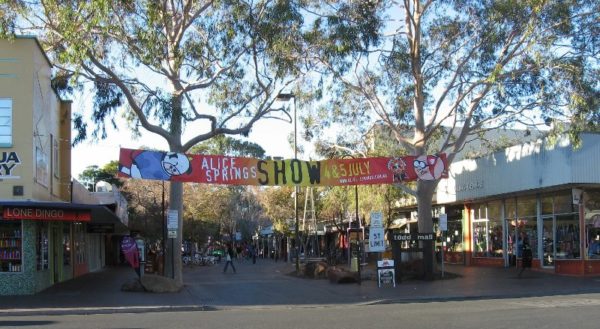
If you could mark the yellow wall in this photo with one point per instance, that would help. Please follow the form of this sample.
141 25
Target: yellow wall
38 115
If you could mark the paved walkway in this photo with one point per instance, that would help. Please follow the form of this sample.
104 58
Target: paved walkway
268 284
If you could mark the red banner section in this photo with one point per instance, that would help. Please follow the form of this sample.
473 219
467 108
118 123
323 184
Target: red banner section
18 213
219 169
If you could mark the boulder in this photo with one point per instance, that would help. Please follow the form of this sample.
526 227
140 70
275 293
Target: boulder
315 270
340 275
133 285
160 284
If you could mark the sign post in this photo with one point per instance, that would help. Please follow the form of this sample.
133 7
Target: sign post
376 234
172 226
443 229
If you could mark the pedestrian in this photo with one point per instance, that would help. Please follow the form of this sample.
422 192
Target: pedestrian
229 258
252 252
527 256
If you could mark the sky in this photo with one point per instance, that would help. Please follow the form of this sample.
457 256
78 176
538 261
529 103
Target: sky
271 135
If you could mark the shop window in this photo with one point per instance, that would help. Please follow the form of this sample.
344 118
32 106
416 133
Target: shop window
67 245
487 232
563 203
510 208
454 238
547 205
526 206
592 223
41 246
11 251
567 237
592 229
523 228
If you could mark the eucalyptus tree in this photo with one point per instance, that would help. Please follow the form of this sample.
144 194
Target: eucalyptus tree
185 70
108 173
434 74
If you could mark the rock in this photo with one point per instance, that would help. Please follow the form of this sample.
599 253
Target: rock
133 285
315 270
340 275
160 284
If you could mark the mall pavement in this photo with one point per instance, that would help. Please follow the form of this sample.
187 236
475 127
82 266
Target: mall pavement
268 284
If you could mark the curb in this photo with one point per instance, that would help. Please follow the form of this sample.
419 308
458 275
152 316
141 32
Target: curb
104 310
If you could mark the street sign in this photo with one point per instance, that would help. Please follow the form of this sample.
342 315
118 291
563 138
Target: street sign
172 234
172 220
443 222
413 236
376 233
376 219
376 240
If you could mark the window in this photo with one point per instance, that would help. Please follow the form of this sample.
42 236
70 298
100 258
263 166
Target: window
41 167
5 122
567 237
55 168
487 230
11 252
592 223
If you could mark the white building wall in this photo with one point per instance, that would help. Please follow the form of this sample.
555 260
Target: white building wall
522 167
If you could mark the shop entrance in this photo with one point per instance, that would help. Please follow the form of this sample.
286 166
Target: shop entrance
548 247
56 252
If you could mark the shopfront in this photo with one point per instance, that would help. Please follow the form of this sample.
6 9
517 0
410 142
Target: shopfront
43 243
548 197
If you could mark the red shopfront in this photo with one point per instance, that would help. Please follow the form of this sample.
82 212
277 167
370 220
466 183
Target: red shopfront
59 238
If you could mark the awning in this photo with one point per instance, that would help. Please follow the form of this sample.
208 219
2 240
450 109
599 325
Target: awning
99 215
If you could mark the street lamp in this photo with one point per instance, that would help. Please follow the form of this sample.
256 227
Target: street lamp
285 97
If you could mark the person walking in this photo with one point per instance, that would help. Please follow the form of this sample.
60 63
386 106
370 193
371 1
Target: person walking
527 256
252 252
229 258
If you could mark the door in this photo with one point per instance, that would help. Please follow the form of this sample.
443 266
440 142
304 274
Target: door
548 245
510 235
56 253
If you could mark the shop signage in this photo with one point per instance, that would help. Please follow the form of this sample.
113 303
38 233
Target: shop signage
413 236
8 162
386 272
20 213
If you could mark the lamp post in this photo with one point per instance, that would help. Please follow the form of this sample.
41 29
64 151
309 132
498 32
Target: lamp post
285 97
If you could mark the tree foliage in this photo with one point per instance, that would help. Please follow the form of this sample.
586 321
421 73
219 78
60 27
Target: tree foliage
94 174
435 74
185 70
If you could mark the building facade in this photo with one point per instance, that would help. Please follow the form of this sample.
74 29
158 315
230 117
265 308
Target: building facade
45 235
545 193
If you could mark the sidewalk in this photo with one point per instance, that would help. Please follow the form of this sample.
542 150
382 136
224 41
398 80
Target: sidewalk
268 283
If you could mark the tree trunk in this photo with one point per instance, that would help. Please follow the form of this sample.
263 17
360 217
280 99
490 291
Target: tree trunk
425 191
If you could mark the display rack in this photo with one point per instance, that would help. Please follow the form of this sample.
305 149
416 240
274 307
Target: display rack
11 250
